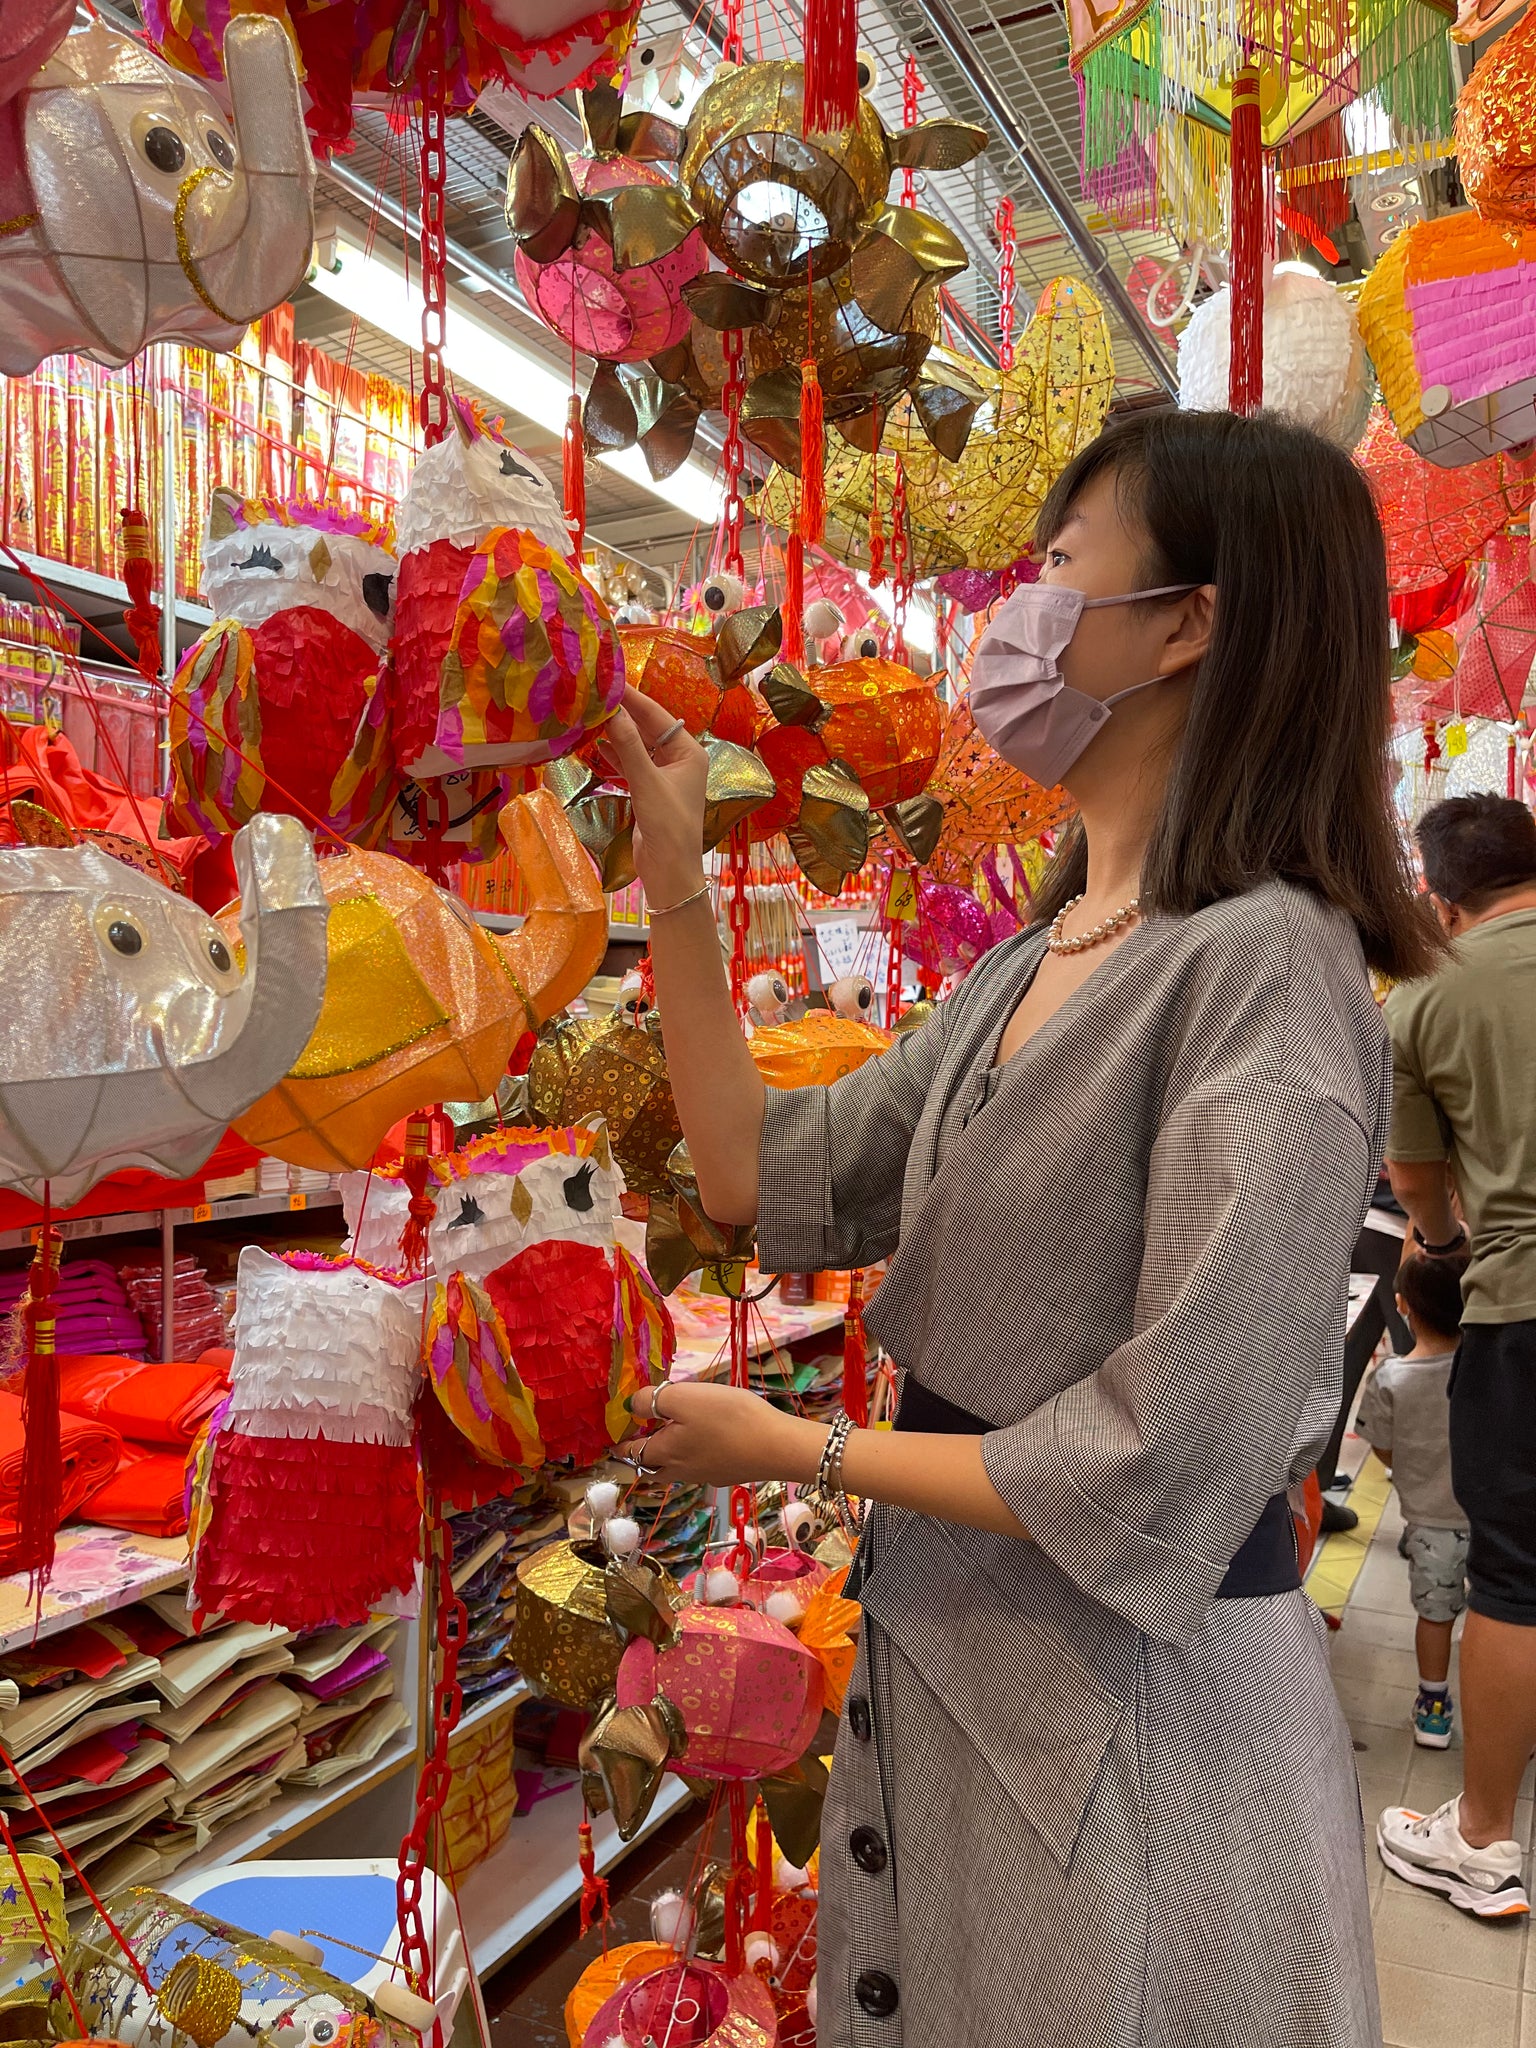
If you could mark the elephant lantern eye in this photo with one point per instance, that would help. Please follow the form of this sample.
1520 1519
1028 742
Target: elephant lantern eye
323 2033
219 954
165 149
124 937
220 148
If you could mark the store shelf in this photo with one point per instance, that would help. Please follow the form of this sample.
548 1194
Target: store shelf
703 1329
531 1879
95 1572
90 584
293 1814
130 1220
493 1703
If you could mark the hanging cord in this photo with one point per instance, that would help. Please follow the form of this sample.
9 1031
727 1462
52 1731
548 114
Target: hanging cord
434 225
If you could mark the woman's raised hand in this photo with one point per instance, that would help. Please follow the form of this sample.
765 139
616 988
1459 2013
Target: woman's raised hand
666 787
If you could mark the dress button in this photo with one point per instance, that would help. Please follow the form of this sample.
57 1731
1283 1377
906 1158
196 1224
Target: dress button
868 1850
858 1717
877 1994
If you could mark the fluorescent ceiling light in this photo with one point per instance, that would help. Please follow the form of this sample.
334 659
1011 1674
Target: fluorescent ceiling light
921 632
369 285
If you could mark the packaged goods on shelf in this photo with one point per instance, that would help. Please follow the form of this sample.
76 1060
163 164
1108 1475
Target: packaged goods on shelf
92 1309
198 1317
34 646
482 1790
492 1542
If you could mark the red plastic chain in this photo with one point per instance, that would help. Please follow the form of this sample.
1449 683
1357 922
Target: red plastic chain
447 1706
734 455
911 86
1007 253
738 913
434 226
1432 747
731 49
901 561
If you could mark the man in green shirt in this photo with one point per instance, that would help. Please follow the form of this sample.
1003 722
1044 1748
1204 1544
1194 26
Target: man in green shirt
1464 1129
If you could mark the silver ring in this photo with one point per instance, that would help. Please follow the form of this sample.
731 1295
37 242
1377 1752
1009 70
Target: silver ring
666 738
658 1413
650 1471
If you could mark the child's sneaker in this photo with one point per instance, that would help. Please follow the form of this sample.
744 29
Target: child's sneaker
1434 1713
1429 1849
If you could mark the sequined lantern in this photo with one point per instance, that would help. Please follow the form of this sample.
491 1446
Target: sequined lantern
690 2005
213 1984
815 1051
179 229
281 705
1436 313
978 509
311 1494
1496 128
1436 519
1314 360
137 1035
526 1225
564 1639
422 1005
620 1074
750 1697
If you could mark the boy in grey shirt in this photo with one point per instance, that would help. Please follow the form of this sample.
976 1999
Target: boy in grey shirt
1405 1418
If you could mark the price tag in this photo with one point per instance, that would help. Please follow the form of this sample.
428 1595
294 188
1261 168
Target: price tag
839 942
901 898
298 1201
1455 740
203 1213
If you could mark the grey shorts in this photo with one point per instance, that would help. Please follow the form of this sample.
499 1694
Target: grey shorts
1437 1572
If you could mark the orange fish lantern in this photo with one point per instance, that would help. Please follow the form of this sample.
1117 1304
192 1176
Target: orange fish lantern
814 1051
421 1005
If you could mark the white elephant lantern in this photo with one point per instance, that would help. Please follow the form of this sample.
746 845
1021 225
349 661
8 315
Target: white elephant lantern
134 1035
131 212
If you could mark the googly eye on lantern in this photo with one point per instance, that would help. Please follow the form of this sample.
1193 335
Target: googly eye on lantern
852 996
863 645
121 933
868 68
326 2030
723 594
164 149
220 958
219 146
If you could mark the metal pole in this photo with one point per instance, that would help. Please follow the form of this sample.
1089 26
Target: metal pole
167 1287
498 281
979 76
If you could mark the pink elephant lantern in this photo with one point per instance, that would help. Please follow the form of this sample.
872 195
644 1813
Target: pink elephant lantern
749 1696
687 2005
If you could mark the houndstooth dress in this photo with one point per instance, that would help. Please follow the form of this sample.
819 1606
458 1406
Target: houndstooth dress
1079 1802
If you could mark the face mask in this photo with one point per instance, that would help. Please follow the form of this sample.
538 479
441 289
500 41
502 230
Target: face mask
1021 702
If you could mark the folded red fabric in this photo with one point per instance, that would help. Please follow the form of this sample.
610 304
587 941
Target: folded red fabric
161 1405
89 1450
146 1494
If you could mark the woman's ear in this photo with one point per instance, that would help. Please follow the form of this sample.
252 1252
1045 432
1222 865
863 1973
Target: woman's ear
1190 624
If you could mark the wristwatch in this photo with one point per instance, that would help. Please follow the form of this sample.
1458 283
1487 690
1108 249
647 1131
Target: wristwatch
1440 1251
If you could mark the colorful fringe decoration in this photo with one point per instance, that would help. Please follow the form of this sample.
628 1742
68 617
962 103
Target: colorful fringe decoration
574 475
793 612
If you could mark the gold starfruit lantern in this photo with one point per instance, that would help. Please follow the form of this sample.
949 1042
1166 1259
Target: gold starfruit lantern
575 1612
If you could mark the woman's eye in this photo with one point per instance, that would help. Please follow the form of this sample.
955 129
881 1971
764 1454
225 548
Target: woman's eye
1057 559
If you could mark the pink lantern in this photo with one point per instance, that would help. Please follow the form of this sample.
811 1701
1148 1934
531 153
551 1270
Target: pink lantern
749 1695
1497 637
777 1571
619 313
950 932
687 2005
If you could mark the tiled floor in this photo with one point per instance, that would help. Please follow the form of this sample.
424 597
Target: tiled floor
1447 1981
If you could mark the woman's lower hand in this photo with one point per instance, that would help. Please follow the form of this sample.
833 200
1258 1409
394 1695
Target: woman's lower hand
666 789
721 1436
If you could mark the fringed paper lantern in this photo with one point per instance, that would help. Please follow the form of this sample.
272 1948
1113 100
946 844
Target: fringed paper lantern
311 1504
528 1219
749 1695
136 1037
422 1005
469 1359
691 2005
1496 129
281 705
978 510
1441 314
133 214
1314 360
986 802
815 1051
1435 519
550 47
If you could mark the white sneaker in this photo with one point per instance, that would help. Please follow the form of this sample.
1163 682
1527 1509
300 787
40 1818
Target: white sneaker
1429 1850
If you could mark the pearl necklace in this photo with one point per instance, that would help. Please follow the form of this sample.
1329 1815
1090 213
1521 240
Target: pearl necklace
1055 943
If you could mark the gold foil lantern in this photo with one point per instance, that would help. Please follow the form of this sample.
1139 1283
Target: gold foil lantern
621 1076
1496 128
565 1641
422 1005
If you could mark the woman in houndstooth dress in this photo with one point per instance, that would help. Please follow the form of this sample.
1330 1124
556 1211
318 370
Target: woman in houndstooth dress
1093 1788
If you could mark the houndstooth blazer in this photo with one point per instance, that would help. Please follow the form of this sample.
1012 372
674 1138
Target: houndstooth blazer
1079 1802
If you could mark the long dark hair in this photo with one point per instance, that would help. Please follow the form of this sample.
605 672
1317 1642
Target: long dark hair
1282 770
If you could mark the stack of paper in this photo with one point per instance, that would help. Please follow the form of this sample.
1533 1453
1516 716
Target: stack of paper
348 1710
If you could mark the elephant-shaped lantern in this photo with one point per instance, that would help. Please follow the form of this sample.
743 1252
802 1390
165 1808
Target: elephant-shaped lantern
129 213
135 1036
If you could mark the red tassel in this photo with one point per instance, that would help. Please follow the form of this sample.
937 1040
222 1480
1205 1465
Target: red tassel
813 457
574 476
762 1901
831 66
876 530
594 1889
856 1356
142 617
1245 391
792 647
413 1170
42 1472
736 1884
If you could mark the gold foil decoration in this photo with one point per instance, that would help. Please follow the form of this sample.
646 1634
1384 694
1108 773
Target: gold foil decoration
621 1076
830 839
565 1641
1496 128
202 1999
627 1751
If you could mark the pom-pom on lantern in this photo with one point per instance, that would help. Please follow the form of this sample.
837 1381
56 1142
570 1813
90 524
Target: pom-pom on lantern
1442 313
132 214
282 704
1314 360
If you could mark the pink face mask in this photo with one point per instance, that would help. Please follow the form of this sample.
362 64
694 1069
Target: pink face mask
1020 700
